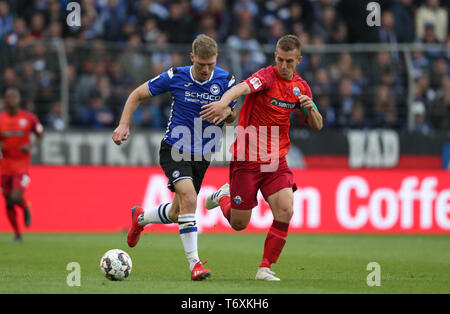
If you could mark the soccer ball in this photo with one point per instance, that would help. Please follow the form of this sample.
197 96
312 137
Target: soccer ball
116 265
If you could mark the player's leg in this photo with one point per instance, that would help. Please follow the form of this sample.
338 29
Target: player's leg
19 185
278 191
6 182
237 200
187 197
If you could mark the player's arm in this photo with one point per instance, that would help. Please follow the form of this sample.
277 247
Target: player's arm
314 117
122 132
37 130
215 112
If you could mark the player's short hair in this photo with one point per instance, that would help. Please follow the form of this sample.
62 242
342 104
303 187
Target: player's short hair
204 47
289 42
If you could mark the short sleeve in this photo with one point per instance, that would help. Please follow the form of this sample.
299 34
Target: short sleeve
231 81
161 83
261 80
36 126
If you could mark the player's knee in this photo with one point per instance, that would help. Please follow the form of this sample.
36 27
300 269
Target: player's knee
285 214
188 202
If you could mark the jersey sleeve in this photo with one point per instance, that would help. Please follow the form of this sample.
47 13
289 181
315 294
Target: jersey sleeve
36 126
261 80
231 81
161 83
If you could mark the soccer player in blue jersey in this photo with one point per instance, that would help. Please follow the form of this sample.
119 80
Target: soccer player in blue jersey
191 88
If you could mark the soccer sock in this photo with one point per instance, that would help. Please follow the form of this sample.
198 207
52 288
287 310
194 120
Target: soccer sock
275 241
23 204
225 206
188 235
12 217
157 215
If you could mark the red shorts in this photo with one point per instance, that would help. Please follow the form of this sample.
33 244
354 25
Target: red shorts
246 178
14 182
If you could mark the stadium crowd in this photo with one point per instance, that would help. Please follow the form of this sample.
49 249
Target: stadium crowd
107 56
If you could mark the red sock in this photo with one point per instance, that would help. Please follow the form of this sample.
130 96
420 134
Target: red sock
275 241
11 213
225 206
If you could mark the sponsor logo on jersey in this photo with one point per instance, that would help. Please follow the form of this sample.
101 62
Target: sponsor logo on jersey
282 104
204 96
256 82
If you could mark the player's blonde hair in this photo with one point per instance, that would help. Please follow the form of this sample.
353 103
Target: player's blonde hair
204 47
289 42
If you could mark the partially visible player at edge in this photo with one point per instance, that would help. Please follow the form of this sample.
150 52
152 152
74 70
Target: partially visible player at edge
15 127
191 87
272 94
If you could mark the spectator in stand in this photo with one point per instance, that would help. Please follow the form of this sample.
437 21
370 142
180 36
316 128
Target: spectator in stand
148 115
345 100
420 125
357 119
431 12
403 11
244 42
385 111
55 119
96 115
38 26
150 30
6 19
9 80
276 31
132 62
179 26
440 107
327 111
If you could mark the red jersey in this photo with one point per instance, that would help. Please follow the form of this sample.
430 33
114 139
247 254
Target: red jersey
15 133
265 115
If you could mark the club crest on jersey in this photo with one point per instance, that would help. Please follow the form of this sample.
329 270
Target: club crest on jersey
175 174
214 89
237 199
23 122
296 91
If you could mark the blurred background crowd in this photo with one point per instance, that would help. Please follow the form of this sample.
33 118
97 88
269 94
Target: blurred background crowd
122 43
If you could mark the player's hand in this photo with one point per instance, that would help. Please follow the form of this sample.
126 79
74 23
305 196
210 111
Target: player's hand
25 148
306 102
214 112
121 134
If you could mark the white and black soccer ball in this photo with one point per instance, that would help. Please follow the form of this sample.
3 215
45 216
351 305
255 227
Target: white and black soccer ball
116 265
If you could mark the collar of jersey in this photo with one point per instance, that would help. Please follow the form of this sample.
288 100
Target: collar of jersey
198 82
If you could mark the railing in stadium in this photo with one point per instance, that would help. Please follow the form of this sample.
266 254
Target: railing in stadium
356 86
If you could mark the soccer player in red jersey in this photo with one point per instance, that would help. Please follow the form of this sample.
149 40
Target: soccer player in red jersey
259 163
15 128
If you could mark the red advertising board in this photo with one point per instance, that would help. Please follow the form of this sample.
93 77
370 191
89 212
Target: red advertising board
98 199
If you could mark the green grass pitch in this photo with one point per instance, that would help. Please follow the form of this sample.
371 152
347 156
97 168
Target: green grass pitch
308 264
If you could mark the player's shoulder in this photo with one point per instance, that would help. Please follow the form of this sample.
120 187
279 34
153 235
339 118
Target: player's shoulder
223 76
302 82
177 71
28 115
